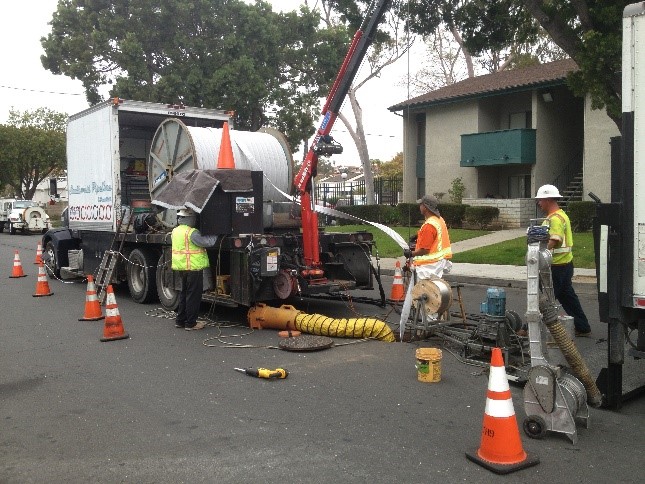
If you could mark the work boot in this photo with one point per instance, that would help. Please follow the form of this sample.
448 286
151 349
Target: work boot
198 326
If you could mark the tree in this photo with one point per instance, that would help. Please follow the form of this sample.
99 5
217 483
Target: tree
32 147
221 54
588 31
389 45
392 168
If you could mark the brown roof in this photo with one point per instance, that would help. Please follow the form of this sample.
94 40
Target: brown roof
513 80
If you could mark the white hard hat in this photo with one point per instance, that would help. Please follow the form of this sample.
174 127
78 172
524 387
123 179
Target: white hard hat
185 212
548 191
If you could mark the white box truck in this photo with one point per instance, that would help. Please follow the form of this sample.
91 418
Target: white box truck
123 155
620 225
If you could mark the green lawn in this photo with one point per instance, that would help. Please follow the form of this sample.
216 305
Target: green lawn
511 252
388 248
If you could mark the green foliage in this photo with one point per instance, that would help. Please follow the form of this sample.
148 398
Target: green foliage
453 213
457 190
481 216
387 247
409 214
383 214
588 31
581 215
513 252
270 68
32 147
392 168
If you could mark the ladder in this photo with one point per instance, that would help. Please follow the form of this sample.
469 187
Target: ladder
110 258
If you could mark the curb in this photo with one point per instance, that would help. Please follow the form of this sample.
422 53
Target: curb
581 284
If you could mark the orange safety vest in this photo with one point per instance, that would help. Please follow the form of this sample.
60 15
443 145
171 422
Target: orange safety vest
440 248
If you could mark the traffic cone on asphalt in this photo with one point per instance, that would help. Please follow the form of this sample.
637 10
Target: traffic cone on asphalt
501 449
225 159
397 294
17 267
42 286
92 307
39 254
113 328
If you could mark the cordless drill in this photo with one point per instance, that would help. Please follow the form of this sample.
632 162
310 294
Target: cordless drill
264 372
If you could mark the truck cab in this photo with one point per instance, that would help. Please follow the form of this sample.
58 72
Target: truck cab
23 215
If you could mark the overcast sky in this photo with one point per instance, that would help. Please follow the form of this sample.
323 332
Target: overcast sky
26 85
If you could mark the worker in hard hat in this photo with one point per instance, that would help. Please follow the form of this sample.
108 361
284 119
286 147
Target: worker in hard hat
189 259
432 250
560 244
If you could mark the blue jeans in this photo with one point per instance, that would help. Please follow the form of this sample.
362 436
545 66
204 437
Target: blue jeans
564 293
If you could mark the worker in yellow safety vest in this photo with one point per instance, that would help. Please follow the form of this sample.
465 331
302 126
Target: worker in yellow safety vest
189 259
560 244
432 250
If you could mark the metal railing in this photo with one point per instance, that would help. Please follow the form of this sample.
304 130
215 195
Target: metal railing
387 191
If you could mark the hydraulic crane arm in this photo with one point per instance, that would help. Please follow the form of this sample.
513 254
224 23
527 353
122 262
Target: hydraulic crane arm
322 142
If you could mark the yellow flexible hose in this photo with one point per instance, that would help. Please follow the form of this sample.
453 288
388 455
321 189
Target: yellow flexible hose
344 328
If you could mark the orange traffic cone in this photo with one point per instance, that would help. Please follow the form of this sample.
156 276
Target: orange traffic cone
42 286
17 267
39 254
92 306
225 159
501 449
397 294
113 328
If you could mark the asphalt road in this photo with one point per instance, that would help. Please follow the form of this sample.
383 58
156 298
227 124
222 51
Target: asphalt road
166 405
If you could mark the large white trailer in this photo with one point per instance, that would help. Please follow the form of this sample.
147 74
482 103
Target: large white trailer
620 228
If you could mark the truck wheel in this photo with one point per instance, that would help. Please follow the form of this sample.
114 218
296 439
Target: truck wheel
12 229
140 271
1 226
168 295
49 259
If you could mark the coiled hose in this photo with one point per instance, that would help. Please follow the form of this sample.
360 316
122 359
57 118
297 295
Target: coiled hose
287 317
344 328
570 351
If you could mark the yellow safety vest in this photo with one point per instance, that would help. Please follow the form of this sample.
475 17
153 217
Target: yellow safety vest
187 256
441 247
560 229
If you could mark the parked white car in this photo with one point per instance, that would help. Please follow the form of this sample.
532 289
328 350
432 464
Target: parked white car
23 215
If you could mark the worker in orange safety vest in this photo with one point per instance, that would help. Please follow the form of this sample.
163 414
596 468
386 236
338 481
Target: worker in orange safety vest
432 250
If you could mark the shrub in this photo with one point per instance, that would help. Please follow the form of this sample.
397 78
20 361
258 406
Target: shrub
581 215
408 214
383 214
481 216
457 190
453 213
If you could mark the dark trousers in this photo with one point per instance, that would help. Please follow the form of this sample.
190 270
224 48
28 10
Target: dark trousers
564 293
190 298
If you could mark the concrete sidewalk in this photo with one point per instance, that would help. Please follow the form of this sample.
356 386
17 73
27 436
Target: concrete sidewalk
489 274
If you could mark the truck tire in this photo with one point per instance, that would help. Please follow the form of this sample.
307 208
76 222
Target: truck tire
140 271
49 259
168 295
1 226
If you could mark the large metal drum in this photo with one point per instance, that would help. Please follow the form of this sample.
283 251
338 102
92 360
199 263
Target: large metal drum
177 148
